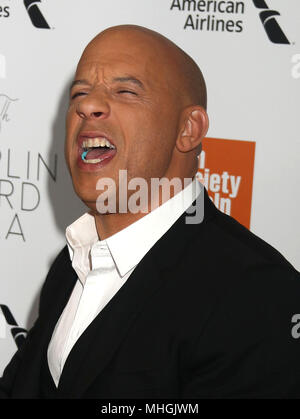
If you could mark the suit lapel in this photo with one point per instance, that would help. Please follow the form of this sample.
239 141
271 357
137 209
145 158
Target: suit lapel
97 345
39 336
99 342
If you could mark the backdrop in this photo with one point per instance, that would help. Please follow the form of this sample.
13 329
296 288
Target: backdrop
250 56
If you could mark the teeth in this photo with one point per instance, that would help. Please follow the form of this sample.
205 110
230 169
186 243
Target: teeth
92 161
97 142
107 143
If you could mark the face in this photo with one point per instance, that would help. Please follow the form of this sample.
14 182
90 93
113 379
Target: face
122 93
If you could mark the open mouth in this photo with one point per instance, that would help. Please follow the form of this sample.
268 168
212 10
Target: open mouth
95 150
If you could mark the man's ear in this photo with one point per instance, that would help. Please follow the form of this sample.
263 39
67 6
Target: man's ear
194 128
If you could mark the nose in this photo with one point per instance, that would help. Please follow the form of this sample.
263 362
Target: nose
93 106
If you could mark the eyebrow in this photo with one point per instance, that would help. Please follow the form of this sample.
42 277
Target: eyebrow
75 82
129 79
123 79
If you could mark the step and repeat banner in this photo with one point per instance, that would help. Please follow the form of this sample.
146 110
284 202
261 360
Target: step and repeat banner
249 53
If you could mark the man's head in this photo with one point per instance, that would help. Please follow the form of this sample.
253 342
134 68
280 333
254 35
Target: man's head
140 91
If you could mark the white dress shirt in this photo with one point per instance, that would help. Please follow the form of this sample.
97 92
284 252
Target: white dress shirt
103 266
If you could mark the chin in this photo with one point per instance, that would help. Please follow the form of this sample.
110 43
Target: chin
85 194
89 203
92 207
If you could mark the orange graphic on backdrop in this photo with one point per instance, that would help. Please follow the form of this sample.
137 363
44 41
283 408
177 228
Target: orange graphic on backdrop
226 169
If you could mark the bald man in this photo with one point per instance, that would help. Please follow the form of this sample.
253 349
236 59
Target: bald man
167 298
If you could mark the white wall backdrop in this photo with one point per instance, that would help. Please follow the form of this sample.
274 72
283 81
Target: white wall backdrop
253 95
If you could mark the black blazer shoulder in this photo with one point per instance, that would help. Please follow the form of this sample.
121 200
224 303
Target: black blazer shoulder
219 246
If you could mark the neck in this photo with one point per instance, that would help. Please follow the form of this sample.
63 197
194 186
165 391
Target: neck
111 223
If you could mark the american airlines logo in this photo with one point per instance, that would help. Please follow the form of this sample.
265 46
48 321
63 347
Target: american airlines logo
270 24
35 14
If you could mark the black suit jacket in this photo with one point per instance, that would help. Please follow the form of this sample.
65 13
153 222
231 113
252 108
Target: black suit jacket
207 313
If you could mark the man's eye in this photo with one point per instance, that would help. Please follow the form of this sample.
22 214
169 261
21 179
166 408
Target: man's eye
127 91
77 94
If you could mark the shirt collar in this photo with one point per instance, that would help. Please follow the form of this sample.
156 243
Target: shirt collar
81 233
130 245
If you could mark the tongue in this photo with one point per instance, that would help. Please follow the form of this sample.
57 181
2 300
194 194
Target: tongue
96 153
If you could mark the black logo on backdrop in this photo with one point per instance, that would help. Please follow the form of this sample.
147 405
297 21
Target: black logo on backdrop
272 28
35 14
18 333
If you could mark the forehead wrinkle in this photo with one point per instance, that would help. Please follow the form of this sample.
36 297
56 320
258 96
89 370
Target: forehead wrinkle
173 62
91 71
116 69
160 63
131 58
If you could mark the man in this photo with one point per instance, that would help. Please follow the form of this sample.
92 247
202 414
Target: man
154 304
